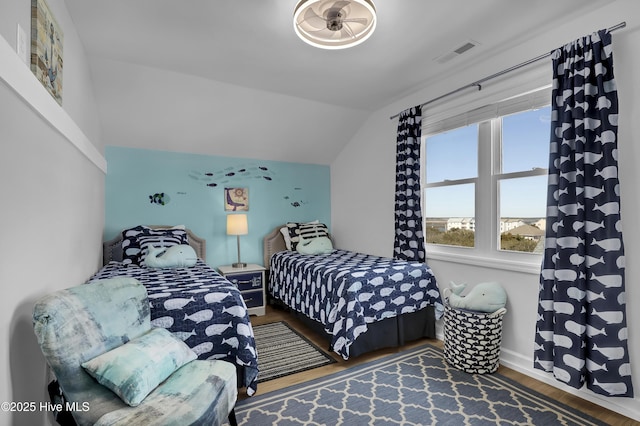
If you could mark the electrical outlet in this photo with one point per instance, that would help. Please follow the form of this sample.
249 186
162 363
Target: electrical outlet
21 44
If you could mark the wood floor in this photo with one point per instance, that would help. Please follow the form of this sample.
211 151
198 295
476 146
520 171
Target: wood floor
275 314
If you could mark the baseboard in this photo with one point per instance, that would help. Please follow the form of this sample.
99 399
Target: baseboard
629 407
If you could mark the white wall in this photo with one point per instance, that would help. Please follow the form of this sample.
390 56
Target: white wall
77 97
52 200
167 110
363 185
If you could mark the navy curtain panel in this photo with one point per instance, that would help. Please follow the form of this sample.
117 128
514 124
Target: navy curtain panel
409 238
581 332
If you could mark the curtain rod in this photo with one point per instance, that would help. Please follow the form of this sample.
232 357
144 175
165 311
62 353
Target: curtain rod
478 83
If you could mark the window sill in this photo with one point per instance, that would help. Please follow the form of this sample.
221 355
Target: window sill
529 266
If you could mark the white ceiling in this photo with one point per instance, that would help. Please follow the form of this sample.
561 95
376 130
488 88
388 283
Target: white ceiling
252 43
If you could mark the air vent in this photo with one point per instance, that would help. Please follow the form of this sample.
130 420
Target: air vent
468 45
457 51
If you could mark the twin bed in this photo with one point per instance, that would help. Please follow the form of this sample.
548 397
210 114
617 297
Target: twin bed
196 303
360 302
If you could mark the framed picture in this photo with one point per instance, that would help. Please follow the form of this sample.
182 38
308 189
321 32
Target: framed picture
236 199
46 48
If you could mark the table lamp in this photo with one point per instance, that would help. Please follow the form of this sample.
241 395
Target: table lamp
237 225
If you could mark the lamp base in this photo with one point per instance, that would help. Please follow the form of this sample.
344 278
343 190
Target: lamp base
239 265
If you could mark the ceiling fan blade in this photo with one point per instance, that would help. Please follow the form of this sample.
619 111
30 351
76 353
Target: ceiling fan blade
361 21
325 34
346 29
314 20
340 5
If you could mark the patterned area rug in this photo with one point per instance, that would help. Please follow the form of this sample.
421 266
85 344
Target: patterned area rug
282 351
416 387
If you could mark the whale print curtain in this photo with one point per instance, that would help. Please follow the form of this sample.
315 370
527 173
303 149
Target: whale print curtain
409 239
581 332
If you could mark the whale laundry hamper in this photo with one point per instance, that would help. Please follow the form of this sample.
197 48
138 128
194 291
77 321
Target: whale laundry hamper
472 339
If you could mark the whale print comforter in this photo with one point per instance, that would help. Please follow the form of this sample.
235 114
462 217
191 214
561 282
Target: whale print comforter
201 307
345 290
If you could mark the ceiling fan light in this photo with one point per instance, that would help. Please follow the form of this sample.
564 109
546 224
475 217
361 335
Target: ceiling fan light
334 24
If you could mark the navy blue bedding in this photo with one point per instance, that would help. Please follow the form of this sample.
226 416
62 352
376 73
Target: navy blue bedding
345 291
201 307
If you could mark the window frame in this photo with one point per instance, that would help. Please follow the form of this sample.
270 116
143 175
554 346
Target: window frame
486 251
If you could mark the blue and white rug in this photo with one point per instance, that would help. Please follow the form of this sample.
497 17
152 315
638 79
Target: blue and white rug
416 387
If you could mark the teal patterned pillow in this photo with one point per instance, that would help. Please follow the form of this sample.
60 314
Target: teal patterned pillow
136 368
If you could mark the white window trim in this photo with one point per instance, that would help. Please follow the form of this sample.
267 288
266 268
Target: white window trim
486 252
524 266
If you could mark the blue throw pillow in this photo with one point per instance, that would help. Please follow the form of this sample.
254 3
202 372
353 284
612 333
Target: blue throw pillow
135 369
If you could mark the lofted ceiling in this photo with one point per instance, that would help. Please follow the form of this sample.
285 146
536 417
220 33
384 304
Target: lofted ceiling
252 44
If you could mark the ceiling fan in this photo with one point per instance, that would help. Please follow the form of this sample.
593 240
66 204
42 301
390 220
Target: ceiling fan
334 24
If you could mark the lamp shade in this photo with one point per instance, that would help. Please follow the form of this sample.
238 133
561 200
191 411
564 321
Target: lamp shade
334 24
237 224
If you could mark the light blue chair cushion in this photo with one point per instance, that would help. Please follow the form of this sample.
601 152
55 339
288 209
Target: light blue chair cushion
136 368
78 324
199 393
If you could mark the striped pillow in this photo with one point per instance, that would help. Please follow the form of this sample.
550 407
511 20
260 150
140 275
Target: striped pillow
306 230
136 242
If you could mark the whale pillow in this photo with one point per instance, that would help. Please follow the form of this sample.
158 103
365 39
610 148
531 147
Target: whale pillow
319 245
483 297
178 256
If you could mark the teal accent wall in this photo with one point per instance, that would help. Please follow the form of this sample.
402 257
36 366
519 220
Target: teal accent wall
167 188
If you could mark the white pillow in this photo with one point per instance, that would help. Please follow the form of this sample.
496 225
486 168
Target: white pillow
285 234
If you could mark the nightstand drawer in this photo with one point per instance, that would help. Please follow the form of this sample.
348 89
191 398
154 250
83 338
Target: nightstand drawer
253 298
248 281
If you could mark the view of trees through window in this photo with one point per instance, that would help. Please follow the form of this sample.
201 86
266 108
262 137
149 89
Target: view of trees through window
465 238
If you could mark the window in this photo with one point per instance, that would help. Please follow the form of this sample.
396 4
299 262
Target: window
452 175
485 183
522 179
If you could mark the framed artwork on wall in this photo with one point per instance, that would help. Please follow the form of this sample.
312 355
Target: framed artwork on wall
236 199
46 48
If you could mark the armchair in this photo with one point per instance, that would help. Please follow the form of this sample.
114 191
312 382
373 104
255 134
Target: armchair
77 325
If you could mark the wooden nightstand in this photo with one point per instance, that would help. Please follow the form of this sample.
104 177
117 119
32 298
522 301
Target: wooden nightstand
250 282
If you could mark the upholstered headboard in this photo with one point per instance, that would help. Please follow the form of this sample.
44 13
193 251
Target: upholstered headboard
112 249
272 243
